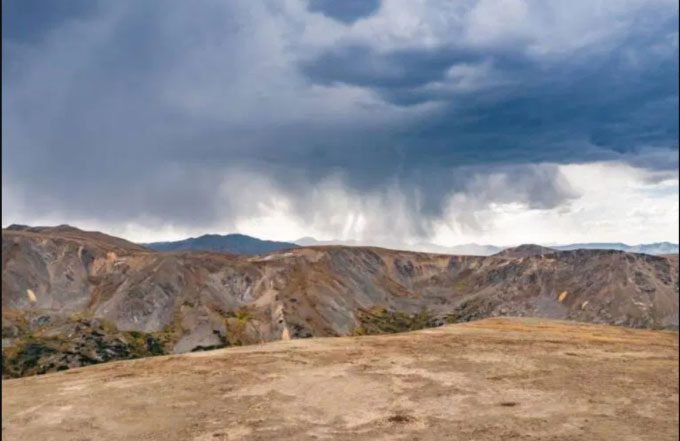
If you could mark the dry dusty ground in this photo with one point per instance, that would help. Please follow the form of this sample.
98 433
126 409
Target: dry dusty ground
489 380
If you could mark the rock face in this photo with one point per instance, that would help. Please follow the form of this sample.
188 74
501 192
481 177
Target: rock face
56 281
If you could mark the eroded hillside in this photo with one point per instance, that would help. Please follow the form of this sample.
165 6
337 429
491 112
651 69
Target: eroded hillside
72 298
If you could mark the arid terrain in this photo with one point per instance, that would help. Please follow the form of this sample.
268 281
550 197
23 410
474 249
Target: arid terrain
503 378
72 298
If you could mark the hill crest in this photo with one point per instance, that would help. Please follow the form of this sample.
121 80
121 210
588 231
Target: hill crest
229 243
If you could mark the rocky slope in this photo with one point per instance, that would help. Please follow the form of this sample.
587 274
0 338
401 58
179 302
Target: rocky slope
494 379
71 297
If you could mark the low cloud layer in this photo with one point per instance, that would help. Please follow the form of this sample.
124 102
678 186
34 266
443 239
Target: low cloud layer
364 121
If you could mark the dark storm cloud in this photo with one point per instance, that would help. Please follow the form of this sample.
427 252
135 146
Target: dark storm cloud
396 70
143 110
29 21
347 11
601 100
598 107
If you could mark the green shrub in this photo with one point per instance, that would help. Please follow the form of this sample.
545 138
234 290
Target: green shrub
381 321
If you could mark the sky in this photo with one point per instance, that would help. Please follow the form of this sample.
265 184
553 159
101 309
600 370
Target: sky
392 123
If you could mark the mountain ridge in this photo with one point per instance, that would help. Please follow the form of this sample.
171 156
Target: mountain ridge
231 243
474 249
72 298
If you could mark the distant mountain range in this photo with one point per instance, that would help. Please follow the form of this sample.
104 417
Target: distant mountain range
649 248
473 249
250 246
230 243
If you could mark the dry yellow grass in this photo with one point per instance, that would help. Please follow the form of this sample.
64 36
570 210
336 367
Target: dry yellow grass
528 379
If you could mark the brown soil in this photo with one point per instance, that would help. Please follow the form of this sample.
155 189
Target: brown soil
526 379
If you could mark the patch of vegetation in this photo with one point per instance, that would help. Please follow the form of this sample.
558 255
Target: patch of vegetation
299 331
135 334
30 354
236 324
243 315
382 321
91 342
473 309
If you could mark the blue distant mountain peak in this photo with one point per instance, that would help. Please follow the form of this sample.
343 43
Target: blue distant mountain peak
229 243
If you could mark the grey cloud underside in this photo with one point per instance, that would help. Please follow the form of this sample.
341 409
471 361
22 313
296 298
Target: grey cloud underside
589 106
346 11
32 20
141 109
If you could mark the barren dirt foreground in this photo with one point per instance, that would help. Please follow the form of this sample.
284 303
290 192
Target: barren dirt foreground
488 380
